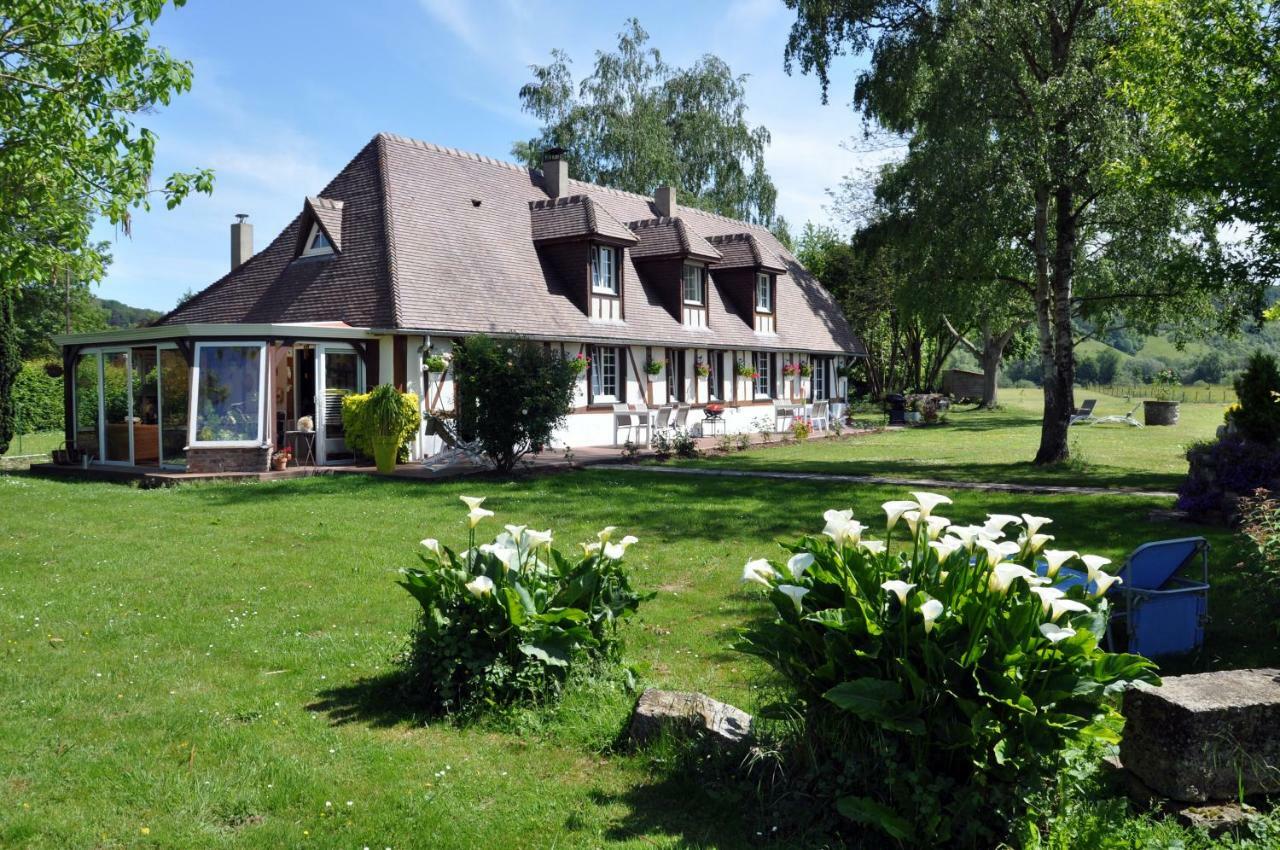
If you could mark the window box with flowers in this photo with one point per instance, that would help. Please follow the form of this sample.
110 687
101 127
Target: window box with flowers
579 363
746 370
702 368
652 369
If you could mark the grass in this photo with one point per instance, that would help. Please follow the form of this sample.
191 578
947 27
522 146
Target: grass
26 446
208 666
998 446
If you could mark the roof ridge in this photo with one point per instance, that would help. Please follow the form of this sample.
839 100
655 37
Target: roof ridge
393 272
456 152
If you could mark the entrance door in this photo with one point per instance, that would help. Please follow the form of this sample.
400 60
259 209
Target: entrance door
145 386
339 373
117 404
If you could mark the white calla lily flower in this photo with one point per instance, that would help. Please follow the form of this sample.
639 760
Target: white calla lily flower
760 571
516 531
1068 606
798 563
480 586
936 525
929 501
589 549
872 547
945 547
614 551
605 534
1048 595
931 611
992 550
1035 542
1008 548
1034 523
842 527
997 522
898 588
912 519
538 538
1004 574
433 546
472 502
1095 563
894 511
1056 633
1055 558
796 594
1103 582
477 514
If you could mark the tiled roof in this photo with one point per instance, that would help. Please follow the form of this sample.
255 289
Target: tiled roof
743 250
419 254
670 237
329 213
575 217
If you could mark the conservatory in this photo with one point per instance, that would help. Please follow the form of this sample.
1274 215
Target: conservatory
212 398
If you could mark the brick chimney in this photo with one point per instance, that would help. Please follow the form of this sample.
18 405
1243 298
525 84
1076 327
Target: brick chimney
665 200
555 172
241 241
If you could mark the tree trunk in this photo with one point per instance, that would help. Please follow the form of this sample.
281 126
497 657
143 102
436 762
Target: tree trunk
992 354
10 365
1053 435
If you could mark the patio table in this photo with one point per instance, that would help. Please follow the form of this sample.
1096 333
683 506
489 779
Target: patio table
789 413
303 444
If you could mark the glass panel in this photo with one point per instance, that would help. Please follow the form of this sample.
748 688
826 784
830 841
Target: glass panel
227 396
115 382
175 400
86 385
146 408
339 381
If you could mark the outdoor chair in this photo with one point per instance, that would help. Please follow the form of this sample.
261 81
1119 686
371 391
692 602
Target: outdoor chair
634 421
662 422
1159 612
681 420
1084 413
456 451
819 418
1126 419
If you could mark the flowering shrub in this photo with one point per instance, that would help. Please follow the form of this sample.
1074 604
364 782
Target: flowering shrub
801 429
505 621
938 676
1163 383
1260 524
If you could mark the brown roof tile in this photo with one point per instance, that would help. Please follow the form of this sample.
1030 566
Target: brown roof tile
576 217
743 250
670 237
418 254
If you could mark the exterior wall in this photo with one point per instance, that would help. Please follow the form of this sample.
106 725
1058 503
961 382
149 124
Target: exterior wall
251 459
606 307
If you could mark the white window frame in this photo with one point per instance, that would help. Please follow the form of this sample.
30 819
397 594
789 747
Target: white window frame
764 286
765 380
598 395
192 423
602 284
819 378
309 251
699 281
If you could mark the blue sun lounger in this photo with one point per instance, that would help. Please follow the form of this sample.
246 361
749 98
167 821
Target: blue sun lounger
1160 612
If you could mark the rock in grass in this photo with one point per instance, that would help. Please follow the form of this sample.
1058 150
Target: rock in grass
1207 736
682 712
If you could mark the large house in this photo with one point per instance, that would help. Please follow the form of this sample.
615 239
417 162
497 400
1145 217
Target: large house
414 246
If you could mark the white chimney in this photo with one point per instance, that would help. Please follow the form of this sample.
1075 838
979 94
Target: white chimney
665 200
555 172
241 241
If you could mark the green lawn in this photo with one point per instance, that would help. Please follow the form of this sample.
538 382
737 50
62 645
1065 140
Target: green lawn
999 445
37 445
207 666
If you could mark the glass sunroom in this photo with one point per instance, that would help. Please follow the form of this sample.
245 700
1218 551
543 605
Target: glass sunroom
212 398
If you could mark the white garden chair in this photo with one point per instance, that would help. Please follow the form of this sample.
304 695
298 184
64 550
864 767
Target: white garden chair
819 418
1117 419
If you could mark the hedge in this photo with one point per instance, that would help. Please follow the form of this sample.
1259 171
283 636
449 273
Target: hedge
38 399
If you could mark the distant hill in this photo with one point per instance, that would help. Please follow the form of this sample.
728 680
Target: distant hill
121 315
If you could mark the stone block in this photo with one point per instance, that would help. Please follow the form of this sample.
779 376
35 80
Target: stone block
682 712
1205 737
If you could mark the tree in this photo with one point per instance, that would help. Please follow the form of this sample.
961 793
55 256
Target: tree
1026 92
1207 75
638 123
47 307
73 76
512 395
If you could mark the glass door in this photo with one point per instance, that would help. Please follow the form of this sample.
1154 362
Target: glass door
175 401
117 437
145 387
339 373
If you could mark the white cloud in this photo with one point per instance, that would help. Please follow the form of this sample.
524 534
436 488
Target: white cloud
454 16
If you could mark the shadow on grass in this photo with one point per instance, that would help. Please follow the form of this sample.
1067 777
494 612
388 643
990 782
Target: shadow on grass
380 701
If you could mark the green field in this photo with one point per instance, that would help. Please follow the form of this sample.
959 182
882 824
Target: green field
32 446
998 446
210 666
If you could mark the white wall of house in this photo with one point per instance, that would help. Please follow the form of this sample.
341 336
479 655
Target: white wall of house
592 422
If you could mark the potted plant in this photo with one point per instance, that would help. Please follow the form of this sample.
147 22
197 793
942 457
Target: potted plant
579 363
652 368
386 423
1162 409
746 370
806 369
435 363
701 368
280 460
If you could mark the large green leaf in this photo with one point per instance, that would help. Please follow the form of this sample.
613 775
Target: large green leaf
867 811
868 698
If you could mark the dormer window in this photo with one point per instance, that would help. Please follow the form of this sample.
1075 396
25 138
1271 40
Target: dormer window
695 285
764 293
604 269
317 243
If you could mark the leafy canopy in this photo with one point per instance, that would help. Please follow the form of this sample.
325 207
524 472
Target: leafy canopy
638 123
73 79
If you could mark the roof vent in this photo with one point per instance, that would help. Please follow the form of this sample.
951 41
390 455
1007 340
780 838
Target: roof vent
555 172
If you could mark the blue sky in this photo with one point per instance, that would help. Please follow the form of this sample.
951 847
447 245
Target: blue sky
287 92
